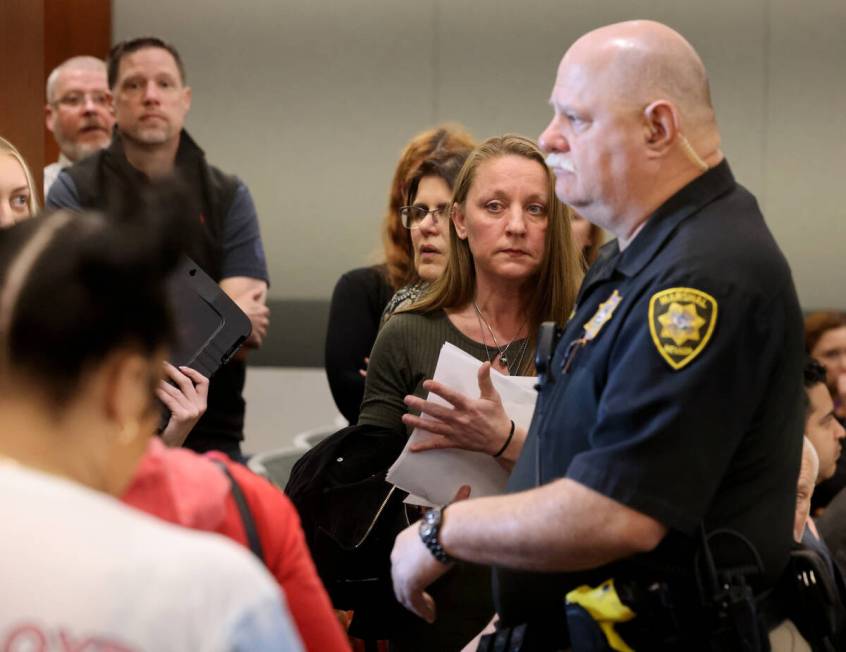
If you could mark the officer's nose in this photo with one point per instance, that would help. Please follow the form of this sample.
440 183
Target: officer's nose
552 138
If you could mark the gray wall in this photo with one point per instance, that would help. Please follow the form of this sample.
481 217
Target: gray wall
310 103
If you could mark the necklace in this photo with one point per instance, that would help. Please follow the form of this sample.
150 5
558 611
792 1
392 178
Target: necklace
501 350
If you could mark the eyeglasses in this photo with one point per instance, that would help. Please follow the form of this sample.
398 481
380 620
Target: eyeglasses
412 216
76 100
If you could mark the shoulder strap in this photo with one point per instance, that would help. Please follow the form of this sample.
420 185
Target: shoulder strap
244 510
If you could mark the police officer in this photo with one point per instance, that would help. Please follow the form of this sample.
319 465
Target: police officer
659 472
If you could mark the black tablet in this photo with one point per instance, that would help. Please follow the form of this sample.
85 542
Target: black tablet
210 327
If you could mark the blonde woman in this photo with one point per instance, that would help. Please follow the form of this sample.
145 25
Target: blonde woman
18 194
512 265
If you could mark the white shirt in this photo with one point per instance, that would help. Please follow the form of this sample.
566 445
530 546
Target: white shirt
52 171
77 567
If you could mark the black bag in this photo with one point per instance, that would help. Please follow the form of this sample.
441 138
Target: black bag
351 516
814 598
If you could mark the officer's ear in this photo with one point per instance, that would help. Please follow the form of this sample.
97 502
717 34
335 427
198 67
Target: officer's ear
661 127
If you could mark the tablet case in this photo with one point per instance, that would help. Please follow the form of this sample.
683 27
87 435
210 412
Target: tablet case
210 327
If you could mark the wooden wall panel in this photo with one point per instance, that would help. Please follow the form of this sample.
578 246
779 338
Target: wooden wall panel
21 78
35 36
72 28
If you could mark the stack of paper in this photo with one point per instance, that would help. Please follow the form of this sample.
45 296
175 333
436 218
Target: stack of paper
433 477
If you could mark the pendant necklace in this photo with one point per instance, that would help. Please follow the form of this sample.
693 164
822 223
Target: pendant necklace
501 350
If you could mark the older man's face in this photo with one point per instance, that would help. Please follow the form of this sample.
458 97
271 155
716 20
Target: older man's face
804 491
80 113
595 138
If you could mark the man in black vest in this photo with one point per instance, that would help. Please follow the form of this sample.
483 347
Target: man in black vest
151 100
670 412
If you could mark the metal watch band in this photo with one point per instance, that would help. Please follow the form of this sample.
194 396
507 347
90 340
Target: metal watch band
430 528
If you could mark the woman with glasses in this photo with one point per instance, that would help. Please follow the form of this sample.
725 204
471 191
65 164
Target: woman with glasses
512 264
18 194
426 216
360 295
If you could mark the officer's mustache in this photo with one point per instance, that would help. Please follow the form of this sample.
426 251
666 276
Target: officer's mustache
559 161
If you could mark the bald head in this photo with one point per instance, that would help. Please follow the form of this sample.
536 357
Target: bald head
82 63
79 107
633 123
644 61
805 487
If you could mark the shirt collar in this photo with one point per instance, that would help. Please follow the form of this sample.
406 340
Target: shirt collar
658 227
188 150
694 196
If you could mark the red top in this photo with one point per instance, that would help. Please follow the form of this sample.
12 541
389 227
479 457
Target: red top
182 487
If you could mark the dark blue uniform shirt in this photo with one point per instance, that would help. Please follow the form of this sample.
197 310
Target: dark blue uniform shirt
682 395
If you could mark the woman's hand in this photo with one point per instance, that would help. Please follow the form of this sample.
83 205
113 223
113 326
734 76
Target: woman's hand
185 397
472 424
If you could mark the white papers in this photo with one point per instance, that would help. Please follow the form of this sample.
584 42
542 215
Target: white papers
435 476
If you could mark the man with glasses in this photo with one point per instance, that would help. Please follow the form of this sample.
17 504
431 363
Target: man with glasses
78 112
151 101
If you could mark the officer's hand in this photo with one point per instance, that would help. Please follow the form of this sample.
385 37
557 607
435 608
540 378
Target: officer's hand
414 569
472 424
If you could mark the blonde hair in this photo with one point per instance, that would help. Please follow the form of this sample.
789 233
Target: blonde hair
7 148
553 291
439 142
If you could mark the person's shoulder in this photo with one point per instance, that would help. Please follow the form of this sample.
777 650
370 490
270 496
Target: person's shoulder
223 571
63 192
370 278
410 320
211 584
260 490
729 244
412 325
228 182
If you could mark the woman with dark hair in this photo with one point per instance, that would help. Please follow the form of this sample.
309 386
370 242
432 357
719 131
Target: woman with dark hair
360 295
426 217
84 327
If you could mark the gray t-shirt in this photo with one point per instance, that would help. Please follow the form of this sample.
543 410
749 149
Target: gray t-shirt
404 355
243 253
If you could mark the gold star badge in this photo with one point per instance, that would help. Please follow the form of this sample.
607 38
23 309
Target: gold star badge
681 321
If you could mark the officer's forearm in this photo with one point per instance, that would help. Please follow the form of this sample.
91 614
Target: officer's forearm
562 526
